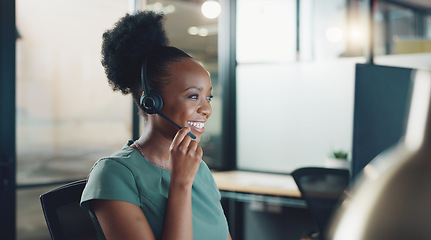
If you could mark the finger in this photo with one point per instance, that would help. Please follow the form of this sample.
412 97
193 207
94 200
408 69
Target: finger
179 137
193 146
185 144
199 151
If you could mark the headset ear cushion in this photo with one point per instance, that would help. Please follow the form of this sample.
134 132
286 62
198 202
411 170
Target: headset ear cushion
151 103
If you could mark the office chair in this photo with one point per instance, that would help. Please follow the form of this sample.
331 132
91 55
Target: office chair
322 189
64 217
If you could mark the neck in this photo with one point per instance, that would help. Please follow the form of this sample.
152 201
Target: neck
154 145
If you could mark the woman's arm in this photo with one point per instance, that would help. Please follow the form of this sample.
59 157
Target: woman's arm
123 220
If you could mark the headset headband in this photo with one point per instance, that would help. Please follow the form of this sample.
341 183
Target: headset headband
144 76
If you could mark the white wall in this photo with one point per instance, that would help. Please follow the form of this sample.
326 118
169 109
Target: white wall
293 114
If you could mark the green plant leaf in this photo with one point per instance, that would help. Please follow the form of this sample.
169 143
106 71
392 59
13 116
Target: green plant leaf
340 155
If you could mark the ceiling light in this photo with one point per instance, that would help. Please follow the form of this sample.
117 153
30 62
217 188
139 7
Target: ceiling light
211 9
158 7
203 32
169 9
193 30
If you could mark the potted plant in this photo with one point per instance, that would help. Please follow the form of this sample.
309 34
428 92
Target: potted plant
338 159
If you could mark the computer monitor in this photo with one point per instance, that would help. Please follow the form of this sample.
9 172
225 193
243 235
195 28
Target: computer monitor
382 99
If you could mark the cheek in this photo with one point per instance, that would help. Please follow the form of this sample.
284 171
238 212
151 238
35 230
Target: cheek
184 111
189 112
210 110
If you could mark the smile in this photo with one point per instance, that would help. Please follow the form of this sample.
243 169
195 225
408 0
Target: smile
196 124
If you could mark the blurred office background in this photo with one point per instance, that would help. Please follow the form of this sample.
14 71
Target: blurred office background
290 85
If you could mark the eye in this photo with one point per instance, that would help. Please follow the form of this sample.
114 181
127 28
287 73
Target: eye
209 98
194 96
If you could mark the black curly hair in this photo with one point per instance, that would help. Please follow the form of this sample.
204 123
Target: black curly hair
132 39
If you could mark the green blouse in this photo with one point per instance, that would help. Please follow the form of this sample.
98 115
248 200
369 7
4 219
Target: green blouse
127 176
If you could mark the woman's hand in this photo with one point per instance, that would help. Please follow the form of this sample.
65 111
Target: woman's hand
185 158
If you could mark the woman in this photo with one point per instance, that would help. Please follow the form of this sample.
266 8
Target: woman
156 187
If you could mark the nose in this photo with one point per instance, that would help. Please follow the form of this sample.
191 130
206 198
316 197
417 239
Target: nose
205 108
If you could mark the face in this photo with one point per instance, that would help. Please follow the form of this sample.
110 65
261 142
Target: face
186 100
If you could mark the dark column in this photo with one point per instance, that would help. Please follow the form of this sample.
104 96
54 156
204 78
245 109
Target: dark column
8 34
227 76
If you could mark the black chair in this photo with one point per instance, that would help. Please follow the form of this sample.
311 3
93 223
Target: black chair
322 189
64 217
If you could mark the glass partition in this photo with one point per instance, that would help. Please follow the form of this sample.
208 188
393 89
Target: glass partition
295 106
67 115
265 31
403 34
294 111
401 30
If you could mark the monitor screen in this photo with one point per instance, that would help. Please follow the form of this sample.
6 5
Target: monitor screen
382 99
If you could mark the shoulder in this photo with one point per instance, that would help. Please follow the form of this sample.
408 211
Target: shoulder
113 178
123 160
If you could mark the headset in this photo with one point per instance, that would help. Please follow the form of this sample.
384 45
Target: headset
151 101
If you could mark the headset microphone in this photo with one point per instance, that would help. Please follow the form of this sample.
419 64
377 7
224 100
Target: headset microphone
151 101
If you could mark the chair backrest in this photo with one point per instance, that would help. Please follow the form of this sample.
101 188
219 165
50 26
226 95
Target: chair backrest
322 189
63 215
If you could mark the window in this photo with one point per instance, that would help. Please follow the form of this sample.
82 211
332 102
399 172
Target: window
295 83
67 115
400 30
402 34
265 31
295 105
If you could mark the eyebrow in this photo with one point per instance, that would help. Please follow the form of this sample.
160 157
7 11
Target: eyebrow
196 88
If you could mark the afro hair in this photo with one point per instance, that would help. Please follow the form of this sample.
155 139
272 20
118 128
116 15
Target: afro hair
126 45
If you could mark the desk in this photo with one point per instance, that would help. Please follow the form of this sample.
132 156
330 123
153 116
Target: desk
238 187
248 186
257 182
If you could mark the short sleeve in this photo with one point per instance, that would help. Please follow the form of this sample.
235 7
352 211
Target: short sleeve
210 180
110 180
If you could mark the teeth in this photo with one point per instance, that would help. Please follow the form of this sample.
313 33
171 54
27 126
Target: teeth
196 124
